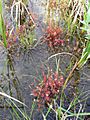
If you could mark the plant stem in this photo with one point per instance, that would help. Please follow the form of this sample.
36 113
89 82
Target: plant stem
70 75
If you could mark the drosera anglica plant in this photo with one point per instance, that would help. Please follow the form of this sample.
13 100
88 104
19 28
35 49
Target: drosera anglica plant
50 93
54 31
53 36
10 35
23 36
27 38
48 89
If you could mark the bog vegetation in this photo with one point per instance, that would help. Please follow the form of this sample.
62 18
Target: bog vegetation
66 34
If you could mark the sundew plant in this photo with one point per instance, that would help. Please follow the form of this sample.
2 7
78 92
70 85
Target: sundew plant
44 59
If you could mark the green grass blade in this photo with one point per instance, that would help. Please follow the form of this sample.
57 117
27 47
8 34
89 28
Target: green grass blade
12 98
2 26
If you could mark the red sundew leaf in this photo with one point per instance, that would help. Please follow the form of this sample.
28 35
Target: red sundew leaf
14 39
62 41
39 106
47 98
46 85
45 88
44 77
56 75
59 84
39 101
39 89
56 82
55 33
55 44
58 42
7 33
49 30
49 78
47 93
54 91
35 93
50 84
48 37
59 30
42 95
50 44
32 84
54 85
62 82
61 78
57 91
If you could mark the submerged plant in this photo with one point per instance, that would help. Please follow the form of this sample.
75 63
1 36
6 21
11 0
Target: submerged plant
11 35
73 111
24 24
23 36
27 38
53 36
47 90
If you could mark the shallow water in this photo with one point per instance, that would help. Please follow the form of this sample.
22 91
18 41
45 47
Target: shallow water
29 65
